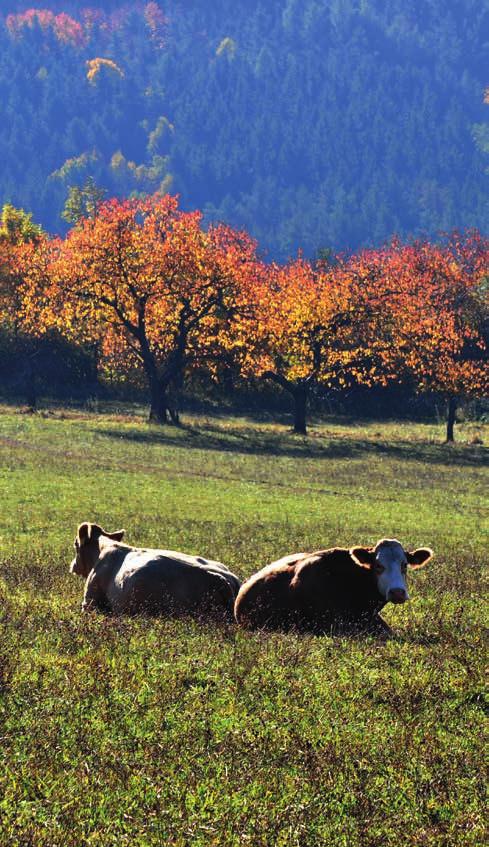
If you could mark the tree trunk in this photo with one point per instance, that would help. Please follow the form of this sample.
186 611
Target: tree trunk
159 411
164 381
300 396
94 361
31 385
31 395
452 411
173 398
174 415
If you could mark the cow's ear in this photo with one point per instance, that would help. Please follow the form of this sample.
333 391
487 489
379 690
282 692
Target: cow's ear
116 536
363 556
84 533
89 532
419 558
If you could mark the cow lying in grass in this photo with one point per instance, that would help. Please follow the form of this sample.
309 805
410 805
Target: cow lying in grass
123 579
334 590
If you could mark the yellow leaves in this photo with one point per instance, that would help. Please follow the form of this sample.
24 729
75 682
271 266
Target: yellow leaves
227 48
95 66
290 328
75 165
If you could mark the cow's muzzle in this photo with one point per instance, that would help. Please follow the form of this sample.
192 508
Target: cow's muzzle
397 595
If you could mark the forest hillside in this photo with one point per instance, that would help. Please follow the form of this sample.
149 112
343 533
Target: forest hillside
313 125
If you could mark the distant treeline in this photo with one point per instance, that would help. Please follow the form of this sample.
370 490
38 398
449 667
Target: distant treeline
310 124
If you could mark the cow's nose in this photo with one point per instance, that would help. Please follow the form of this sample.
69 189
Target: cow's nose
397 595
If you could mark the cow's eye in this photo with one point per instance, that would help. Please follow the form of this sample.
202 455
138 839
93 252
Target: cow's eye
378 568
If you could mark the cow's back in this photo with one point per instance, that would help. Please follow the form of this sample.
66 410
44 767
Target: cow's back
311 591
263 601
167 582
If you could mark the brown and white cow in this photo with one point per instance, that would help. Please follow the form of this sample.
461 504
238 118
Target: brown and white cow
122 579
336 590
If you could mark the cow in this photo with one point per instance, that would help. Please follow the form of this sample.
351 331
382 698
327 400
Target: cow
329 591
132 580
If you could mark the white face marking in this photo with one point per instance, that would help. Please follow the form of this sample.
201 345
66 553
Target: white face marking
391 581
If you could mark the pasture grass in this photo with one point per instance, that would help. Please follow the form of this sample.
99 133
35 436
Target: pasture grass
148 732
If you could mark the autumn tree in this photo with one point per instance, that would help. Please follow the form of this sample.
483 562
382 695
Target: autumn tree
17 233
292 332
17 226
415 315
144 281
421 311
23 245
450 343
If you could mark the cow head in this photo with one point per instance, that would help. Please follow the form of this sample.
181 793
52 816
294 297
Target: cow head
87 546
388 562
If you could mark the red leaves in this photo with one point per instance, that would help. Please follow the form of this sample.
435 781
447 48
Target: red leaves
67 30
156 22
410 313
421 307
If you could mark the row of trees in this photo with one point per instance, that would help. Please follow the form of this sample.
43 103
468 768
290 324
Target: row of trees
148 289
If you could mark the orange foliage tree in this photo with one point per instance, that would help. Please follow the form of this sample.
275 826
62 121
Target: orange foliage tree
415 315
295 330
144 282
23 247
422 314
10 284
18 235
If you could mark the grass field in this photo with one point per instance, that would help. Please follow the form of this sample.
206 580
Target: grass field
152 732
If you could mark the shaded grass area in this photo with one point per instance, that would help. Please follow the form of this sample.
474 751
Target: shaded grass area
154 732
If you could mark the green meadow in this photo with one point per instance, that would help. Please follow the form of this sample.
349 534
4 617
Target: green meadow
147 732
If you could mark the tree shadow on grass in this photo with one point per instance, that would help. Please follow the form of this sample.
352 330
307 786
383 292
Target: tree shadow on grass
254 442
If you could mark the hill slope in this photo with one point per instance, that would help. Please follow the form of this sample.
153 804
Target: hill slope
310 124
